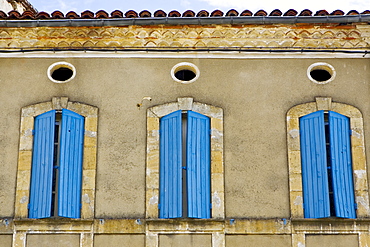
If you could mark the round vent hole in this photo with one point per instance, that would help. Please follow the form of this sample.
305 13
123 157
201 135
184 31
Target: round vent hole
62 74
185 75
320 75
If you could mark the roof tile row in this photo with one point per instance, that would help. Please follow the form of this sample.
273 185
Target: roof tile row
160 13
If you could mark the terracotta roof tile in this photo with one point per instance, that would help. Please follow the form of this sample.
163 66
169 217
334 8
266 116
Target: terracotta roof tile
337 12
28 15
322 13
188 13
352 12
72 15
232 12
57 15
101 14
116 14
145 14
260 13
203 13
131 14
291 12
3 15
306 12
87 14
246 13
160 13
276 12
14 15
217 13
42 15
174 13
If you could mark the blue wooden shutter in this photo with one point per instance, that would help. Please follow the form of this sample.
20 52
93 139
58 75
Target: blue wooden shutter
42 166
170 188
314 166
198 166
341 162
70 163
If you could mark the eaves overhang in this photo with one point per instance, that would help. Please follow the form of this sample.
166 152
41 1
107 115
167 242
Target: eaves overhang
154 21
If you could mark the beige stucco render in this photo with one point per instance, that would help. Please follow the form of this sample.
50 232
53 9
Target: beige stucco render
253 90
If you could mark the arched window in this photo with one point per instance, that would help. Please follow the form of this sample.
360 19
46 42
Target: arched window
184 176
57 152
327 165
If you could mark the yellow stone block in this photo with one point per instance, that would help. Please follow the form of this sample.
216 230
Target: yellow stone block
323 103
89 159
19 239
88 179
364 239
295 181
218 205
23 179
90 141
152 180
88 202
217 182
152 199
294 158
356 123
91 124
292 123
217 165
347 110
27 124
153 161
152 123
42 107
301 110
217 123
358 158
357 137
25 160
296 204
21 204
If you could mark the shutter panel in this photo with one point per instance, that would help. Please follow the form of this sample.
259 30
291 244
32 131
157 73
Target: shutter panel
70 171
314 166
170 166
341 162
198 166
42 166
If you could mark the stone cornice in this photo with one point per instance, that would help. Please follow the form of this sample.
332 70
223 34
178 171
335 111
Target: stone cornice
189 36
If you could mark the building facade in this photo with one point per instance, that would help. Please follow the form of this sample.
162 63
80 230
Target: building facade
234 129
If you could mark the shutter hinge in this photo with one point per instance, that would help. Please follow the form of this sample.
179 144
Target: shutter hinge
210 205
28 206
33 132
350 132
210 131
356 206
159 206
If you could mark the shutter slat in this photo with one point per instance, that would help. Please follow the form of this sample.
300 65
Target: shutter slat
198 166
170 166
341 162
42 166
314 166
70 171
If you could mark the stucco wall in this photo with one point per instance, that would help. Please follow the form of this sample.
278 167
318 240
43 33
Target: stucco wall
255 95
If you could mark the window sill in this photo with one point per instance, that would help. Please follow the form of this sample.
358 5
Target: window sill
53 224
